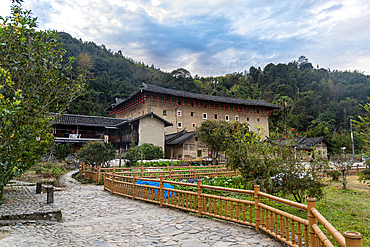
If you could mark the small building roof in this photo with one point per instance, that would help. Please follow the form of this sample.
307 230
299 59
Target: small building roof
179 138
177 93
72 119
304 143
106 122
166 123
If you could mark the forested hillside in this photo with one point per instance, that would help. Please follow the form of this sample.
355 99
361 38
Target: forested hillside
322 101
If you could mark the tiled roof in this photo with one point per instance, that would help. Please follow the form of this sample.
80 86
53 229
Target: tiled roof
305 143
205 97
166 123
71 119
179 138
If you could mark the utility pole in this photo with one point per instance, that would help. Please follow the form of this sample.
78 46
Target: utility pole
353 146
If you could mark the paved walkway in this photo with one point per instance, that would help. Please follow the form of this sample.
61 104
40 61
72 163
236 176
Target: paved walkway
93 217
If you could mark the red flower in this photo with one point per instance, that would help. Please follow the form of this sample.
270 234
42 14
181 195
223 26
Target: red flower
291 129
295 130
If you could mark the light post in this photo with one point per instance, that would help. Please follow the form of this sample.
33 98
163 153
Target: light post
342 166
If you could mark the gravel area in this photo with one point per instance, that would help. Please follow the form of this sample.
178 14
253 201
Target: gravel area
94 217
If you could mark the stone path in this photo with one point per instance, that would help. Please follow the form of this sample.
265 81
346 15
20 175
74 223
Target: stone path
93 217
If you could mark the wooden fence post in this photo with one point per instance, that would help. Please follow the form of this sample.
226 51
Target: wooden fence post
113 184
98 174
257 209
353 239
311 203
84 169
80 169
199 190
105 175
135 187
161 195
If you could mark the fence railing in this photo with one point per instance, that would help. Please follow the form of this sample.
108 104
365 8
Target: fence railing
168 172
288 228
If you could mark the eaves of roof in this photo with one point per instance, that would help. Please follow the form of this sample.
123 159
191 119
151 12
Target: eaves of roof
166 123
180 139
83 120
205 97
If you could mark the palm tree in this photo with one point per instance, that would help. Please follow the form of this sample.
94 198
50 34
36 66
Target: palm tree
286 104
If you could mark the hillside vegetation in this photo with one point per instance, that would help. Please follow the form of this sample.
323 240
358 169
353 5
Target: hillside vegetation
323 100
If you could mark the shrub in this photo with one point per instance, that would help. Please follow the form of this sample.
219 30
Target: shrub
97 153
334 174
61 151
364 176
150 152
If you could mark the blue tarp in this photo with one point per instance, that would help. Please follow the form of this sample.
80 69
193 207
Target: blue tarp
157 184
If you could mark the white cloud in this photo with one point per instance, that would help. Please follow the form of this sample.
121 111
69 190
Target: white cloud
216 37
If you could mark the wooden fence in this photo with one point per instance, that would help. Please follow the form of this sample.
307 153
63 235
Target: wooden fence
169 172
288 228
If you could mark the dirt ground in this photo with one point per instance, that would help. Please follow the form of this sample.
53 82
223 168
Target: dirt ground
46 172
352 184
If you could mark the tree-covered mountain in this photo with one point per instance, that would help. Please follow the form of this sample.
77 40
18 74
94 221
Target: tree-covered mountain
322 103
110 75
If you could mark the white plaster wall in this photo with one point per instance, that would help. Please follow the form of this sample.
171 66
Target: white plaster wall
151 130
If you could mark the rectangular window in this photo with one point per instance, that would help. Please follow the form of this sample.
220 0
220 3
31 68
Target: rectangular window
193 125
215 116
199 153
192 114
247 118
164 113
227 118
179 113
236 118
178 125
204 115
258 119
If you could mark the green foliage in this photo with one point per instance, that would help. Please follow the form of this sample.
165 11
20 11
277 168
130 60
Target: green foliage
33 77
109 75
334 174
61 151
363 128
157 163
321 98
275 166
235 182
211 133
97 153
364 176
150 152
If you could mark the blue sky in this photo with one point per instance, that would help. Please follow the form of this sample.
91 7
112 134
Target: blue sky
212 38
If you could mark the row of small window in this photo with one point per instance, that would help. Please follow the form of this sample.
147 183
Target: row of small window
204 115
179 124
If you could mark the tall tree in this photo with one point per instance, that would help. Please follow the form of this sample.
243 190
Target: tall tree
286 104
32 62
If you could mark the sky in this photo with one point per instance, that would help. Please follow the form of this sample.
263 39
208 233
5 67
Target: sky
216 37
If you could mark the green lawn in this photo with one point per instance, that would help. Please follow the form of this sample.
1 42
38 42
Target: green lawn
346 210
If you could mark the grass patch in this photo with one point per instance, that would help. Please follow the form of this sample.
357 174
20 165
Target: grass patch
346 210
